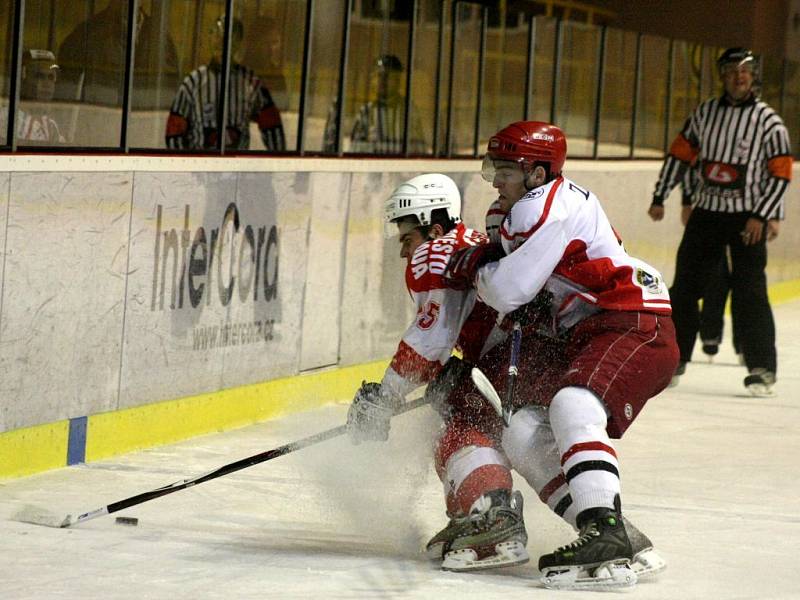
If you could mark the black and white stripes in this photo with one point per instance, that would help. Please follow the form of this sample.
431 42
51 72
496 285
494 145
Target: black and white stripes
743 154
193 115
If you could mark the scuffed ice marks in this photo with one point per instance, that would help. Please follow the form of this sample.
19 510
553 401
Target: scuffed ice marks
374 490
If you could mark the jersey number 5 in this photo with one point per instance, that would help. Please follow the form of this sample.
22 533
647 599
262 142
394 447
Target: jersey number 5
427 315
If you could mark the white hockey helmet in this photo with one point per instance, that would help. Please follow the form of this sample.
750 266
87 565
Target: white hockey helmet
419 197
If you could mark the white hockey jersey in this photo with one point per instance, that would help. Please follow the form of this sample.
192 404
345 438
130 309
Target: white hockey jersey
441 313
33 128
558 238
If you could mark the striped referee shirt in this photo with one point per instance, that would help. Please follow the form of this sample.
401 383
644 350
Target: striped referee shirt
379 127
192 122
743 156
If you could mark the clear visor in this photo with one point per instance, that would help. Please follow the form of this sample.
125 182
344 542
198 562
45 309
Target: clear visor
748 65
394 229
502 171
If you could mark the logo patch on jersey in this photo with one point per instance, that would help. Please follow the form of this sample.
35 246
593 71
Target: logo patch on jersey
428 315
721 173
628 411
650 282
535 193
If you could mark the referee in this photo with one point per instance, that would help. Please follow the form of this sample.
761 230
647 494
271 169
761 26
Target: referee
743 152
192 122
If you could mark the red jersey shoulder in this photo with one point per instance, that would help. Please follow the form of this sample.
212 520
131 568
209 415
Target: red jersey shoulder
426 267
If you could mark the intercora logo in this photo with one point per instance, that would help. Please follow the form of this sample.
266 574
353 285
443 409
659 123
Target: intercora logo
194 266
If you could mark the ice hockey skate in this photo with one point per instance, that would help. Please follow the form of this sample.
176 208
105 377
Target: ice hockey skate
759 383
678 372
600 559
646 562
492 535
711 348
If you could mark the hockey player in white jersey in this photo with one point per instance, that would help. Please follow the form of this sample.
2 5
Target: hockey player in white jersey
610 310
486 527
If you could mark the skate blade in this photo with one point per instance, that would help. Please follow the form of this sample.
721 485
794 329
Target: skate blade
506 555
647 564
612 575
760 390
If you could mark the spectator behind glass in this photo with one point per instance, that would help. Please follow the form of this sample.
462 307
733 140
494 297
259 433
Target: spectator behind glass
93 59
263 52
380 123
192 122
37 86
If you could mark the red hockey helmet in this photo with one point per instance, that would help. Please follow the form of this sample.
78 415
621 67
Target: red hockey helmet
529 142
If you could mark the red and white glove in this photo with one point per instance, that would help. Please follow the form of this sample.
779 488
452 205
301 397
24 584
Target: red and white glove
464 264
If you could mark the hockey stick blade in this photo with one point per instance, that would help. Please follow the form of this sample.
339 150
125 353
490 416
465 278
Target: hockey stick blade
486 388
69 520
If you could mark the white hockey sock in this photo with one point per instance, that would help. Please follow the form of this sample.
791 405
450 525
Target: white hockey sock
589 462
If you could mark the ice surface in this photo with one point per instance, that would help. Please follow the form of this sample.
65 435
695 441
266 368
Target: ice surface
709 473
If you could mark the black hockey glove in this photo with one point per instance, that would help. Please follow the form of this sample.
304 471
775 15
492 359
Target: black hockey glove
438 391
370 414
464 264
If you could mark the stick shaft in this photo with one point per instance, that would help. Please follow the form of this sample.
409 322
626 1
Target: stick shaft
226 469
513 371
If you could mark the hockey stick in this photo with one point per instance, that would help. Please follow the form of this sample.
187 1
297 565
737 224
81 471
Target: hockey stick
511 378
69 520
486 388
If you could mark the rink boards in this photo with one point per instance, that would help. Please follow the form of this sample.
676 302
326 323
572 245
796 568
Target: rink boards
146 300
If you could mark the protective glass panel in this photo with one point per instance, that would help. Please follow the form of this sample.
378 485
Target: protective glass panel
176 84
577 86
544 56
768 79
463 91
79 101
423 81
377 70
650 118
174 39
710 84
686 70
616 108
504 76
319 129
790 110
7 15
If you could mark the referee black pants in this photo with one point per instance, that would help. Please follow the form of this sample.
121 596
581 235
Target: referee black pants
702 248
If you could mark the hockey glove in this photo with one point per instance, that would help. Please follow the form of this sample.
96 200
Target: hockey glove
370 414
464 264
438 391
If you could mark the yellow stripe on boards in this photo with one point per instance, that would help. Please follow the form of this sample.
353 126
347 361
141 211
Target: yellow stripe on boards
784 291
109 434
33 449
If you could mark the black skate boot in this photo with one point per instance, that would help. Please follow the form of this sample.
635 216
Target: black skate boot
711 348
492 535
599 559
759 383
678 372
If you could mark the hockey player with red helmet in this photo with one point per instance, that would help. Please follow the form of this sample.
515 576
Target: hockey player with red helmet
486 527
612 313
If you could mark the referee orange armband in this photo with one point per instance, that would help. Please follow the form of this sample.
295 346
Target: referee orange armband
780 166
